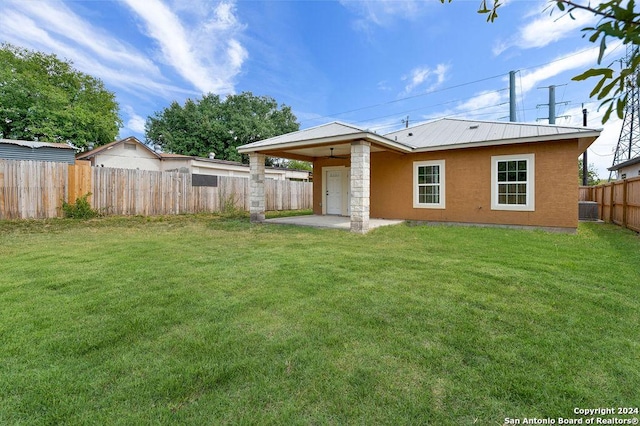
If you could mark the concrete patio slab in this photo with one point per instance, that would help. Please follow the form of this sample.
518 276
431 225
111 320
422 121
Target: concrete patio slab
328 221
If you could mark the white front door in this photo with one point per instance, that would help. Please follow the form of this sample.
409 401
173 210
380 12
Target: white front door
334 191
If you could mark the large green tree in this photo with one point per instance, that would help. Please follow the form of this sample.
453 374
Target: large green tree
212 124
618 20
44 98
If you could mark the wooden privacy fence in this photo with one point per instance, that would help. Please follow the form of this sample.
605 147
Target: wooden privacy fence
618 201
30 189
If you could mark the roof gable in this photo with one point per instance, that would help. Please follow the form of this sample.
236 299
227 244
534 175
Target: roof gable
328 130
101 148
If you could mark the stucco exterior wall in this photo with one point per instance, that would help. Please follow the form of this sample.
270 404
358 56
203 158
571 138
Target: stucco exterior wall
629 171
122 158
468 185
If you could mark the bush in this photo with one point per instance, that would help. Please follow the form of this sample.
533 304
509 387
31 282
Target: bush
81 209
230 209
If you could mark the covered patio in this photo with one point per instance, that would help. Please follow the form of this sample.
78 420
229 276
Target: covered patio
346 144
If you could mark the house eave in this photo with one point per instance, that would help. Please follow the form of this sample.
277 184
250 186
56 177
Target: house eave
367 136
514 141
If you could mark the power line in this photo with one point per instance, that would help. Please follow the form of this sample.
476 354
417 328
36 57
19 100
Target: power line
404 112
407 97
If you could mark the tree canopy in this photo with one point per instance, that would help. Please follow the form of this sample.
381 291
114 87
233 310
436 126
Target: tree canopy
44 98
214 125
618 20
592 174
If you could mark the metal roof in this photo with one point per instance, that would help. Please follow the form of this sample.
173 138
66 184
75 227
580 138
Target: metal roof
34 144
445 133
324 131
448 133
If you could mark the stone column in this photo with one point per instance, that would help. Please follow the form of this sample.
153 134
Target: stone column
256 187
360 186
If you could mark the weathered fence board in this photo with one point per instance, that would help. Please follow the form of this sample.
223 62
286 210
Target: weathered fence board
618 202
30 189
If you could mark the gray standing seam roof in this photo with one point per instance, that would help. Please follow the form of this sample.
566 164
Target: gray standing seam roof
438 134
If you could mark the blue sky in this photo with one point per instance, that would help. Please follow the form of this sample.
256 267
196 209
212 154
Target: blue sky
370 63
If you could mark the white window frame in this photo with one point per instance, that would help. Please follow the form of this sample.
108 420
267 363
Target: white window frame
531 182
416 197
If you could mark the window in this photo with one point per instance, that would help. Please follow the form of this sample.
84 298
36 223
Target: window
428 184
512 182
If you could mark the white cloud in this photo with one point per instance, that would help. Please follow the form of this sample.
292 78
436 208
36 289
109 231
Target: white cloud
425 75
134 121
546 28
52 27
382 13
64 24
482 100
207 55
581 59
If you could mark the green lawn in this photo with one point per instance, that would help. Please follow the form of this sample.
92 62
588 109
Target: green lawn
204 320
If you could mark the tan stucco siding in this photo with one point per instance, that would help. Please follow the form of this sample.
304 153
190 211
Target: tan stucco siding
468 185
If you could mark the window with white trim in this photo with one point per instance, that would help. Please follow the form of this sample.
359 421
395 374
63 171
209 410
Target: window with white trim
513 182
428 184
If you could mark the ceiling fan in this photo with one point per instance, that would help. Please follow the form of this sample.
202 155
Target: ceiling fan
335 156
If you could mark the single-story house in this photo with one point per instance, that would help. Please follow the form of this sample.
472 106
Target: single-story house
11 149
130 153
627 169
447 170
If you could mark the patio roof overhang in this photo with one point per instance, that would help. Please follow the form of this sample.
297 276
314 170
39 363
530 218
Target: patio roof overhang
307 149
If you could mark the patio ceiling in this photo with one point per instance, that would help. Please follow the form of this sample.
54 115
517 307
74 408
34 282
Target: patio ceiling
309 153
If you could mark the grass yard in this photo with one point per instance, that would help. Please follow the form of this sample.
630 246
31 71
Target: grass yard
204 320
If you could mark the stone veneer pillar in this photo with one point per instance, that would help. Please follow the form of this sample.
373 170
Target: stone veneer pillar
360 186
256 187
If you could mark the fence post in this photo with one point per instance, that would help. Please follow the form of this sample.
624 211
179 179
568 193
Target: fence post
2 195
624 203
611 200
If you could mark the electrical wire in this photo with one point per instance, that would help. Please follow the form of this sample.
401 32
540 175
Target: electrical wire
402 113
407 98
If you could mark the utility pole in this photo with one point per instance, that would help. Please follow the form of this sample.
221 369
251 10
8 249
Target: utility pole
512 96
406 122
552 105
585 164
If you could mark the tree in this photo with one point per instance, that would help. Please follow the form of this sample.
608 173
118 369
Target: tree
592 174
220 126
618 20
44 98
299 165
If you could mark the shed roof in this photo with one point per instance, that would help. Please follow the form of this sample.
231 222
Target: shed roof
131 139
627 163
34 144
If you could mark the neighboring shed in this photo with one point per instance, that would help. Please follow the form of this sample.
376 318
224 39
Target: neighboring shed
130 153
36 151
628 169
